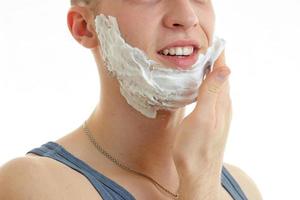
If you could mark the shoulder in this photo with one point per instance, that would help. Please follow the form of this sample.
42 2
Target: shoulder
246 183
36 177
21 176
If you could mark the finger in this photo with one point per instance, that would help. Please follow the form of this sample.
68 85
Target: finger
222 99
224 123
222 104
220 62
228 119
210 89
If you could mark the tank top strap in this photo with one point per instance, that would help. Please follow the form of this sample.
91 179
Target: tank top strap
231 185
107 188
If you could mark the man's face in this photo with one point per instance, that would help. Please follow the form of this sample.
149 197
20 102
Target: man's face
159 26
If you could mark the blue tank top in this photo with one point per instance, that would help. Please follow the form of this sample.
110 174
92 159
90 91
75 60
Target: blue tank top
107 188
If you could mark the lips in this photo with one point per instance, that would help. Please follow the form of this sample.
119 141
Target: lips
180 61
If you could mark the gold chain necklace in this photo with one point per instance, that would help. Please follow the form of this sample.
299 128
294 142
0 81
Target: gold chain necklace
107 155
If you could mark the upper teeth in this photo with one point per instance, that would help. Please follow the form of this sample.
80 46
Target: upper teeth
179 51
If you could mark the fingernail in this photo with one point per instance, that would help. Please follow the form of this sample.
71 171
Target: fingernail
222 75
207 71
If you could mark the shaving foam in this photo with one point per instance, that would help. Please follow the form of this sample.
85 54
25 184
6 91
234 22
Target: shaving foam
147 85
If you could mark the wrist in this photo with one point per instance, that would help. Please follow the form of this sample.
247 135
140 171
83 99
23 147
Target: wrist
195 170
206 189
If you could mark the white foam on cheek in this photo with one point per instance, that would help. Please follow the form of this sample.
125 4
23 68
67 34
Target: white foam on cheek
147 85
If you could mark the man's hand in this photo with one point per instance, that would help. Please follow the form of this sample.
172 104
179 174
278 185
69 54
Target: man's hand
201 137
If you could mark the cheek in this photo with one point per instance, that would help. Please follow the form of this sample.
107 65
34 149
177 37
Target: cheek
211 29
211 23
136 31
207 21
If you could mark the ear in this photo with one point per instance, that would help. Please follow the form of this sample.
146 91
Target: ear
81 25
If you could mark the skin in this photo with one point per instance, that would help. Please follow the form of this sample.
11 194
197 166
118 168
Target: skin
178 152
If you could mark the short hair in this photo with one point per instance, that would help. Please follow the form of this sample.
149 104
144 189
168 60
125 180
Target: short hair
91 4
85 2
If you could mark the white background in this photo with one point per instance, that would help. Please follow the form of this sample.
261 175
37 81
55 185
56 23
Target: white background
45 76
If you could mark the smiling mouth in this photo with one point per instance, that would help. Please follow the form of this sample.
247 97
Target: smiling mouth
178 51
179 57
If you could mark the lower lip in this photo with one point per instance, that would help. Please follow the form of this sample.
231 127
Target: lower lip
182 62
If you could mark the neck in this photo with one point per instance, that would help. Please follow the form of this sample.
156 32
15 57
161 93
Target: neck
140 142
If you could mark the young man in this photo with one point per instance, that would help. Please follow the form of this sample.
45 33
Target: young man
129 148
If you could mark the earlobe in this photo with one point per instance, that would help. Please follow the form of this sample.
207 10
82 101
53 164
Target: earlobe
79 20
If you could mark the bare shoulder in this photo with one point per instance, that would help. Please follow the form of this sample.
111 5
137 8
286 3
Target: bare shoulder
246 183
36 177
21 176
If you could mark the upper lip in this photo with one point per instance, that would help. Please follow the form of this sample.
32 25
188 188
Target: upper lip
182 43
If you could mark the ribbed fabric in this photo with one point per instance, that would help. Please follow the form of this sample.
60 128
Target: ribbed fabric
107 188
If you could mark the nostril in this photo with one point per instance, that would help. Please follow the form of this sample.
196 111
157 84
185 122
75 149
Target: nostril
176 25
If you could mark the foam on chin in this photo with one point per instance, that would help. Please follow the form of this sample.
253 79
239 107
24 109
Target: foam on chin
145 84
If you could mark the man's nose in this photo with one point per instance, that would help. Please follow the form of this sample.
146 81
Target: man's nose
180 15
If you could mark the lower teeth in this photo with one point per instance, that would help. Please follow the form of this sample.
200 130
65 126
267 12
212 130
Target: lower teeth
178 56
